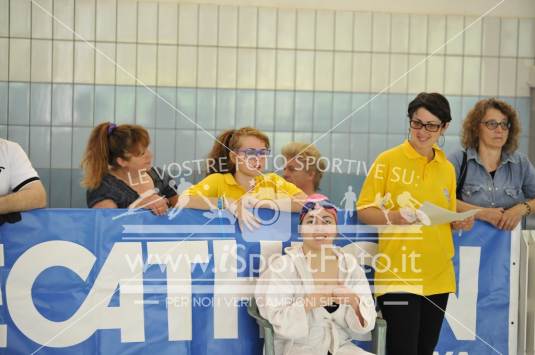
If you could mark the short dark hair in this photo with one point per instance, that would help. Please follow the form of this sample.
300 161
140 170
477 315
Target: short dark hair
433 102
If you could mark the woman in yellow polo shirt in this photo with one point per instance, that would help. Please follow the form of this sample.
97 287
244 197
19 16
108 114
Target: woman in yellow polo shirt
236 180
414 269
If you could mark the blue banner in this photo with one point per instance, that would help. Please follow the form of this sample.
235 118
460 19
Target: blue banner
111 282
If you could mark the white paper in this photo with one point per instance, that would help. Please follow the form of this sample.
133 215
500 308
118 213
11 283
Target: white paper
439 215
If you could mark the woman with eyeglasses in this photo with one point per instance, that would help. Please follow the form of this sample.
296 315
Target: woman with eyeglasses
236 180
414 275
492 174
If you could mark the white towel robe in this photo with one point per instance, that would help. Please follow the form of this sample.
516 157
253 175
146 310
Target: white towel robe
283 284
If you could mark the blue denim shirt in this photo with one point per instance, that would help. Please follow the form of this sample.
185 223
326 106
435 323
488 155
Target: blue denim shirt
514 180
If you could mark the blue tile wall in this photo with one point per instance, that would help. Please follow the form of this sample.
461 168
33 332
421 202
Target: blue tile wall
53 122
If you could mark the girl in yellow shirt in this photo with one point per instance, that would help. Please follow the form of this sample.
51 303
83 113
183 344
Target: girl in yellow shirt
235 178
414 272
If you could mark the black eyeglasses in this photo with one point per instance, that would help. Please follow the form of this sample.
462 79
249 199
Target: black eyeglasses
429 127
493 124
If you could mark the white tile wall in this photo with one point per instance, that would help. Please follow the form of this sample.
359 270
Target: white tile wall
343 35
187 66
453 77
4 59
167 23
343 67
19 59
126 60
398 72
146 63
226 67
265 70
381 32
435 74
41 68
304 76
106 20
4 17
491 36
454 35
64 19
362 65
418 34
400 33
224 46
285 76
286 28
247 26
436 35
267 24
20 10
41 20
228 26
147 22
306 34
325 30
167 65
471 75
472 36
84 19
489 76
246 73
105 63
323 71
507 77
84 63
206 73
127 21
380 71
417 73
208 16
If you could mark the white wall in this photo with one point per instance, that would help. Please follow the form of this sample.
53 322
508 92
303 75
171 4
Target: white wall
507 8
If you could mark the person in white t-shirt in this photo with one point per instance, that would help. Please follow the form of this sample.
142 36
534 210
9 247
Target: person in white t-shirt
20 186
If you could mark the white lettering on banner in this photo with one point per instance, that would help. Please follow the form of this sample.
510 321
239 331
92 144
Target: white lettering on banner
225 266
462 311
179 319
94 313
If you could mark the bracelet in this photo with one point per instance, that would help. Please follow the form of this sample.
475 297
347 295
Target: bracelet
528 208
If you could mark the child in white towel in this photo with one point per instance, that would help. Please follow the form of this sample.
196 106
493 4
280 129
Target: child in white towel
316 296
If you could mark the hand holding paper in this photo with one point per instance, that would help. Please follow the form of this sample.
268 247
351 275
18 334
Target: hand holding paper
438 215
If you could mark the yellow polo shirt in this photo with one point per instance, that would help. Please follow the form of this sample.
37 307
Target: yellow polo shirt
419 263
267 186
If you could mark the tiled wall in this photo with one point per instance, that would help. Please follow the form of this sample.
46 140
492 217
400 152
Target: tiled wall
292 73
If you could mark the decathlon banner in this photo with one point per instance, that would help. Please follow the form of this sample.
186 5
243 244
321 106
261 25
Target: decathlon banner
113 282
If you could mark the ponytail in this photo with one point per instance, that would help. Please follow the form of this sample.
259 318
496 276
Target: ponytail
219 157
108 142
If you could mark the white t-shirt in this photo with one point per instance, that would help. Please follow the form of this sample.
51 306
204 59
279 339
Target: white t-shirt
16 171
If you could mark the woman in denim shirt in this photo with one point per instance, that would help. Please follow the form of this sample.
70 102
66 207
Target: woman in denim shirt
498 179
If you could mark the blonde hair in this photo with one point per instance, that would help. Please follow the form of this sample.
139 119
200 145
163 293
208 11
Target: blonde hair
305 152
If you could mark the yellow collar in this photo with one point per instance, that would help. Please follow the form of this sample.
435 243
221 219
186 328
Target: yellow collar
411 153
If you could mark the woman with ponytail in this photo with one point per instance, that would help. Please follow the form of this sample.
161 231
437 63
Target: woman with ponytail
235 178
118 171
